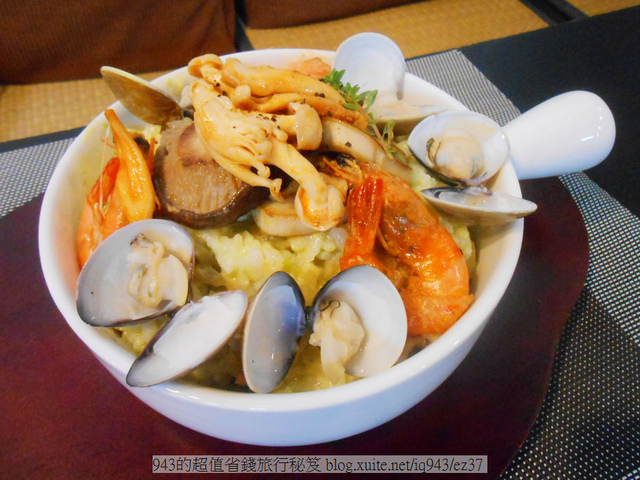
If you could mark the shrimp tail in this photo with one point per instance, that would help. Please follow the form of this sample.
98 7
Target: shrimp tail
133 182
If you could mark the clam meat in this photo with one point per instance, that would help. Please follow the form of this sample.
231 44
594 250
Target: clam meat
364 302
143 271
358 320
464 147
140 271
465 150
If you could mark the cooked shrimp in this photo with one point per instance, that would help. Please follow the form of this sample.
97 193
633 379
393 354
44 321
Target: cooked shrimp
133 182
123 193
92 229
314 67
394 230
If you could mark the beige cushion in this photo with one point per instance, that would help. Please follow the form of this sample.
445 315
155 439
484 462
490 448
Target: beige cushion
284 13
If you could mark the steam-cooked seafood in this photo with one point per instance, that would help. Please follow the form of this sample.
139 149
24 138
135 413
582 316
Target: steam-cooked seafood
255 173
375 63
141 98
393 230
146 266
466 150
140 272
122 194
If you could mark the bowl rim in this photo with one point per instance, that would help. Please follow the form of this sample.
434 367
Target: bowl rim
119 359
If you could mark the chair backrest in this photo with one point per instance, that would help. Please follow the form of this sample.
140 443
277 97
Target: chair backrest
43 40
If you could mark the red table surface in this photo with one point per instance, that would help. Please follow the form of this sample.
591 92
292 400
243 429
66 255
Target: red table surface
64 416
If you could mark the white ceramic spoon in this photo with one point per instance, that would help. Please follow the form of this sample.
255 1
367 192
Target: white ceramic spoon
568 133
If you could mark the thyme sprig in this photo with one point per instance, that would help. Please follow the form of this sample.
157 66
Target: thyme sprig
361 101
354 99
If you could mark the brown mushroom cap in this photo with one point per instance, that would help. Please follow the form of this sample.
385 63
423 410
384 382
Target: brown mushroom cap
193 189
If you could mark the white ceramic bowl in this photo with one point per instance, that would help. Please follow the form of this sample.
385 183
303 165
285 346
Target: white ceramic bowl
271 419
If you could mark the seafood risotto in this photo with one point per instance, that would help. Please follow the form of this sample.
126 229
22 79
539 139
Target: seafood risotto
323 212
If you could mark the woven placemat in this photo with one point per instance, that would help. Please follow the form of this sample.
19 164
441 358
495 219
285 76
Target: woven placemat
418 28
589 423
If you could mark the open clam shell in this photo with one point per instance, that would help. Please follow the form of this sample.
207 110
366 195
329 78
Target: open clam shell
275 322
375 62
371 61
465 147
102 295
381 311
478 206
142 98
192 336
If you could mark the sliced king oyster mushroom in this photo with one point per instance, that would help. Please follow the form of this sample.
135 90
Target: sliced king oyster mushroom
193 335
140 271
142 98
374 62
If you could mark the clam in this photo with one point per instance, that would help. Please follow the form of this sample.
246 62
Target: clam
479 206
374 62
277 318
194 334
464 150
461 147
141 98
140 271
380 309
567 133
274 322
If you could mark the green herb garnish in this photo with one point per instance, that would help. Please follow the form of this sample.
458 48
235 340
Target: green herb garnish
361 101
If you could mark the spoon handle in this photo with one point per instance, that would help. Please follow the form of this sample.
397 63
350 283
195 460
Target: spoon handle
567 133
